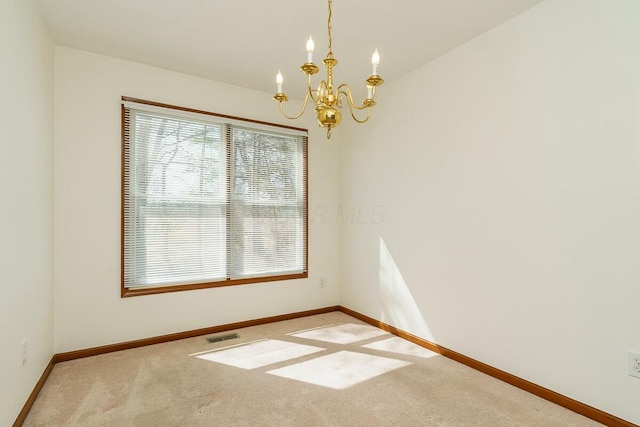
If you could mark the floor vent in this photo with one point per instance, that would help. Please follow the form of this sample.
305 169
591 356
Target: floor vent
222 338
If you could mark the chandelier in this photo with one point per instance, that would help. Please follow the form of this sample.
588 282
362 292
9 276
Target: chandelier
328 99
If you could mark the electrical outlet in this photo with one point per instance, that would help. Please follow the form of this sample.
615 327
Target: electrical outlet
322 284
24 351
634 364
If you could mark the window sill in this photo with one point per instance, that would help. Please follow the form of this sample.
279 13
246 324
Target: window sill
128 292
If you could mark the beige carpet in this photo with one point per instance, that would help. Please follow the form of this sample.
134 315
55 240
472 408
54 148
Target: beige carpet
325 370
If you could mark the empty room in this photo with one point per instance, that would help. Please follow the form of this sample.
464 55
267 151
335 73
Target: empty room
320 212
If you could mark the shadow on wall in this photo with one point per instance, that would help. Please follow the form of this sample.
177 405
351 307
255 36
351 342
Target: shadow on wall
399 308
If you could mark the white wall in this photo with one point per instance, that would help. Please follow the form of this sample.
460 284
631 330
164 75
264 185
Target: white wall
88 308
26 230
507 173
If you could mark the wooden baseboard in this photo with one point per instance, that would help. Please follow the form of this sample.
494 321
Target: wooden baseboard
77 354
32 397
94 351
550 395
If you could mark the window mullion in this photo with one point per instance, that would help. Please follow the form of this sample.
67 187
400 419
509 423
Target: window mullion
228 216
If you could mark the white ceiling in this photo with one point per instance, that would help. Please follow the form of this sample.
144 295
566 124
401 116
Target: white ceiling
246 42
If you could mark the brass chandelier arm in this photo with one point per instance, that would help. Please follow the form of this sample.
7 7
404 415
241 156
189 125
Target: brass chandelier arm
304 105
345 90
321 92
304 108
310 92
353 107
360 120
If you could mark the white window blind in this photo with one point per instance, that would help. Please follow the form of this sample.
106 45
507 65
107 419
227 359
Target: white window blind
210 201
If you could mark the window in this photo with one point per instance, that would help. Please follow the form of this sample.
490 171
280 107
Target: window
209 200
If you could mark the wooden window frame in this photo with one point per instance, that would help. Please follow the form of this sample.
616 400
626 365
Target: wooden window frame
152 290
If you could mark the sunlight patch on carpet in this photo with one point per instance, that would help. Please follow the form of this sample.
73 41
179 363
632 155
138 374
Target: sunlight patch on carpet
260 353
340 370
313 329
401 346
346 333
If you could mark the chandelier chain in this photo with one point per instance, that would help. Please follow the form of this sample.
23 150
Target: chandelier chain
329 28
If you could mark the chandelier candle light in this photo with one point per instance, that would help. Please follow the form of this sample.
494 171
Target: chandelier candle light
327 99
